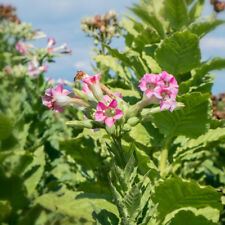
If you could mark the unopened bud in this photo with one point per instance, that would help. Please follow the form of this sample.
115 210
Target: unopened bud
80 124
133 121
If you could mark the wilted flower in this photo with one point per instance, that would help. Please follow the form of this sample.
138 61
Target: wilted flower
21 47
108 113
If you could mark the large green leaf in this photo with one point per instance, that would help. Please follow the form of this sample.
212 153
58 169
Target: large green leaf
175 12
190 219
202 28
191 121
75 204
179 53
174 194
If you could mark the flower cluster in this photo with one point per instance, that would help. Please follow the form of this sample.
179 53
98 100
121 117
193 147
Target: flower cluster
36 58
34 68
104 105
160 88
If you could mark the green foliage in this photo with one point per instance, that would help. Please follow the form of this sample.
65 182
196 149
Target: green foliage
179 53
151 167
191 121
175 194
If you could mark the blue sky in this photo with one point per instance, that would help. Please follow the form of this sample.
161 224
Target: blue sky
61 19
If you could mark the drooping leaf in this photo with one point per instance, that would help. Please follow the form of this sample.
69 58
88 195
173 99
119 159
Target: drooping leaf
179 53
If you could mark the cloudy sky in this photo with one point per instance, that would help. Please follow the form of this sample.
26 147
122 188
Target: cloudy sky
61 19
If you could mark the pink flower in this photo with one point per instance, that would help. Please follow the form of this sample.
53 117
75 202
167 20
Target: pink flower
56 98
50 80
107 99
88 92
21 47
94 85
150 83
160 88
108 113
34 69
51 42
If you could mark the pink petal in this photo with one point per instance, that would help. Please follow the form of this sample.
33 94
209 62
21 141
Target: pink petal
107 98
87 80
119 114
113 104
118 94
98 76
109 121
66 92
142 86
148 93
57 90
99 116
101 106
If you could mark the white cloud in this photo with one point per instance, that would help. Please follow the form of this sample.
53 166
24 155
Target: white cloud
213 43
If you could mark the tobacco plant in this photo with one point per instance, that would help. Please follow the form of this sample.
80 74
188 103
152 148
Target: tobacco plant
144 148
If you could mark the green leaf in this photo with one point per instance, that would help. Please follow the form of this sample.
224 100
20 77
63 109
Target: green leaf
211 138
148 17
190 219
175 11
112 63
5 209
13 190
191 121
79 149
104 217
74 204
35 171
202 28
196 10
132 202
174 194
5 127
199 75
179 53
151 63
